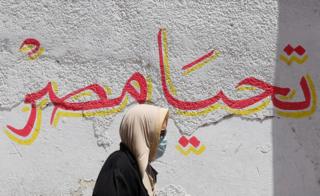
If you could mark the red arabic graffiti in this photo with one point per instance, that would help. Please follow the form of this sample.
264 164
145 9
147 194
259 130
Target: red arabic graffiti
32 47
268 90
195 146
289 58
61 103
185 141
103 101
289 50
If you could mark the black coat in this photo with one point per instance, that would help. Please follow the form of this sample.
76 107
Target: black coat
120 176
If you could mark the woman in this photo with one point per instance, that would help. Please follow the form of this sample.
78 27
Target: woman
127 172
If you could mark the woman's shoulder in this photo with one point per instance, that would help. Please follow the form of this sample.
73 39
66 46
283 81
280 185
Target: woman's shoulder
119 176
120 161
116 158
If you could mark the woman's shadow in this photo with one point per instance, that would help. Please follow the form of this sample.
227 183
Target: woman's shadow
296 136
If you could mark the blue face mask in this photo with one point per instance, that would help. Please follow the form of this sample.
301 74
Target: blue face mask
162 146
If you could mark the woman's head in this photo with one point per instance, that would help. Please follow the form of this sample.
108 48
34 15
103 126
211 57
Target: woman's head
141 127
140 130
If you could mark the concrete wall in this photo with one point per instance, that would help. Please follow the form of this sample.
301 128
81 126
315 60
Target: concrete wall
240 77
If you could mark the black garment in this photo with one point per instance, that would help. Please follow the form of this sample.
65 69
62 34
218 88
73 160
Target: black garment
120 176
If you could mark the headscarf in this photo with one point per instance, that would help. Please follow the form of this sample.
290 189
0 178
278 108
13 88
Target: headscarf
140 130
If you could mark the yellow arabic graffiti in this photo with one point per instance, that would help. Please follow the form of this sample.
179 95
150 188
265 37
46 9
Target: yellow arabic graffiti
306 113
36 130
141 89
213 107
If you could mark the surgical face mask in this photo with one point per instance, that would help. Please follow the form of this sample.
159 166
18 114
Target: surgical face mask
162 146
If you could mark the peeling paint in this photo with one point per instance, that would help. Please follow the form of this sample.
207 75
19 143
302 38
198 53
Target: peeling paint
85 188
172 190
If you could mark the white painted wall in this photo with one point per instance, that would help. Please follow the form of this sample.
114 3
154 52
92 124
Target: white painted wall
105 42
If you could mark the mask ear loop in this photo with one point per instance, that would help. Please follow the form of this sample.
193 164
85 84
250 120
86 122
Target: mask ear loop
163 132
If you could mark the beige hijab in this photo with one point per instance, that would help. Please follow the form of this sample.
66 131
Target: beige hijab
140 131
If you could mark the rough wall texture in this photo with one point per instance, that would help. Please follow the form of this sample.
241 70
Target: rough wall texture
240 77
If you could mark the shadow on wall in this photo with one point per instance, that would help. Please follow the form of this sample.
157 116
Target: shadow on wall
296 130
